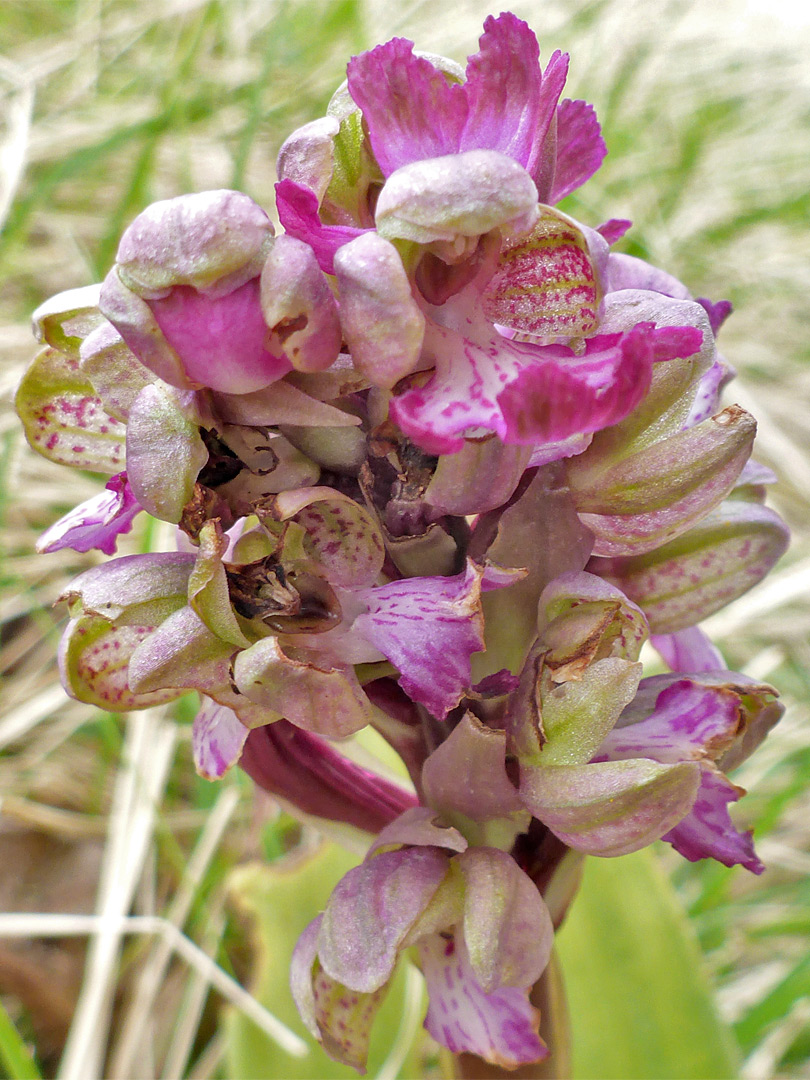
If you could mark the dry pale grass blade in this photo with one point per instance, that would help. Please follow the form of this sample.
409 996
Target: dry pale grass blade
191 1008
26 925
18 722
764 1062
124 1062
147 755
16 107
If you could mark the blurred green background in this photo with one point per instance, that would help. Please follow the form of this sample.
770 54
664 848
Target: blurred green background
675 970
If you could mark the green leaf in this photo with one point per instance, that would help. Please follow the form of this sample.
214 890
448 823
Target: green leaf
641 1006
281 899
14 1054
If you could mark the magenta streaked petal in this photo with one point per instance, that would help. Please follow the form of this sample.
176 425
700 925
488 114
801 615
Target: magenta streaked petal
688 650
571 394
309 772
530 394
501 1027
689 721
428 628
707 831
371 911
96 523
553 401
510 101
220 340
580 148
411 110
707 393
217 738
298 213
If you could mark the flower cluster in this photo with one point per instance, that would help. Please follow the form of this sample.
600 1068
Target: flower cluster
440 463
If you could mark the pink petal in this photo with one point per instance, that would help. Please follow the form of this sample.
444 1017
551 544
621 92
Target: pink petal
221 340
410 109
580 148
371 911
707 831
560 398
688 650
707 393
500 1027
718 313
510 101
96 523
298 213
628 272
614 229
689 721
217 738
428 628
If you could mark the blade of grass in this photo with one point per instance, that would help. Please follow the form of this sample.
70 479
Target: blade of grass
14 1053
